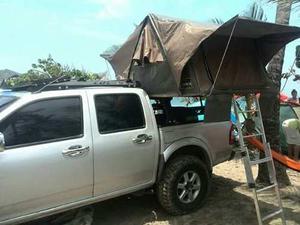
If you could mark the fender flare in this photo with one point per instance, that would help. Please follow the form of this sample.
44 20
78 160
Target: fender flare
188 141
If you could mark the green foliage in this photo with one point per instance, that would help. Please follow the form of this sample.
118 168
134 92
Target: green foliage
49 68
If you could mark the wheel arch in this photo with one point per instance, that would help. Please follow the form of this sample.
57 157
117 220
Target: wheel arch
189 146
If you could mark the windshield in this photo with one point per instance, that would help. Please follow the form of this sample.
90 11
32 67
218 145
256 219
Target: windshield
5 101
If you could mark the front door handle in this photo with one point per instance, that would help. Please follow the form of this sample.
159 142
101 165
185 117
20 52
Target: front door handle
142 139
75 151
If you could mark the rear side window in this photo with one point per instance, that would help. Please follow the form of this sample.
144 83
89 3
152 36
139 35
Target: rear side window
178 110
45 120
119 112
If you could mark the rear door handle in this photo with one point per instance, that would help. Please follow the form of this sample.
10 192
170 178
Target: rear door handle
142 139
75 151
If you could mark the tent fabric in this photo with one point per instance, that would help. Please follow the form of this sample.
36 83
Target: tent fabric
253 45
148 47
179 38
171 57
121 60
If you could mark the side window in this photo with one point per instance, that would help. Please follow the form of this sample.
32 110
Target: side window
192 108
178 110
119 112
44 120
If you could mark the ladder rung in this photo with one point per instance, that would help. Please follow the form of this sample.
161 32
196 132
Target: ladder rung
253 135
247 111
266 188
272 215
259 161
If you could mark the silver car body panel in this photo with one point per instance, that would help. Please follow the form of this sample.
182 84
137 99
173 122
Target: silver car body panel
39 176
119 163
201 135
37 181
73 205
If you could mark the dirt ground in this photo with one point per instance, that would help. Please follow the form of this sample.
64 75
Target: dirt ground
230 203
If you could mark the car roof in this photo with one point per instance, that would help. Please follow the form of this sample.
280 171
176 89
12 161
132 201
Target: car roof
20 94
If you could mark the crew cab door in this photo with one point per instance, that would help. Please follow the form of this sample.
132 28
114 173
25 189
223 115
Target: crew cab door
125 140
48 157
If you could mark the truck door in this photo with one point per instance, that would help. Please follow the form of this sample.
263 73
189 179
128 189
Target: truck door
48 157
125 141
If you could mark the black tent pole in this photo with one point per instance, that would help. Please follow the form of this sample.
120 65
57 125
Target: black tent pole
135 47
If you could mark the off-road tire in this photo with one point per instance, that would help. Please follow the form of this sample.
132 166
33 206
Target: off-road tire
167 186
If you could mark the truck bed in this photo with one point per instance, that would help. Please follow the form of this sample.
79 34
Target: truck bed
215 136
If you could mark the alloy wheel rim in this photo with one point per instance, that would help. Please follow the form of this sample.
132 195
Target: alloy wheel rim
188 187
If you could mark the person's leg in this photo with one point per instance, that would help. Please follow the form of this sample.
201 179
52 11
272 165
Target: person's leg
291 151
297 152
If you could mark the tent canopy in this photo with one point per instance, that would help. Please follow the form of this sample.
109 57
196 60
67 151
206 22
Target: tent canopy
171 57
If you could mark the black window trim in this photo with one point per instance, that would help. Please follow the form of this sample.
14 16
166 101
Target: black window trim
121 130
52 140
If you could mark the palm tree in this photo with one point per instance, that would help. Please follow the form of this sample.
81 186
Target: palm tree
217 21
256 12
270 100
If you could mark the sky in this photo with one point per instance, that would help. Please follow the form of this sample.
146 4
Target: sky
75 32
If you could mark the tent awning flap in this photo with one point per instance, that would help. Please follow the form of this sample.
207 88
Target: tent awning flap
171 57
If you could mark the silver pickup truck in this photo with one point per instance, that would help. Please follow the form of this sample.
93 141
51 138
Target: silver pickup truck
64 149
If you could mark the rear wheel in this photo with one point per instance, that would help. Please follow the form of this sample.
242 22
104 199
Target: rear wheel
184 186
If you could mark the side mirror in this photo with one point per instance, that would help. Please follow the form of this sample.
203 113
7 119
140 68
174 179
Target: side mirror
2 142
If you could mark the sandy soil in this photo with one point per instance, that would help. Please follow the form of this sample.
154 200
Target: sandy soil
230 203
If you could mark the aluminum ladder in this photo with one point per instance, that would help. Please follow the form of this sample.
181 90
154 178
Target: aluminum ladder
248 162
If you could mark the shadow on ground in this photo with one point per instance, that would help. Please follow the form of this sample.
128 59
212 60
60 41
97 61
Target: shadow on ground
226 205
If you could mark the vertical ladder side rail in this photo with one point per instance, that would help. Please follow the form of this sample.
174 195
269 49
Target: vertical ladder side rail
246 161
270 164
277 191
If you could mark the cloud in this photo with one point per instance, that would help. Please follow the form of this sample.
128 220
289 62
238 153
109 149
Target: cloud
110 9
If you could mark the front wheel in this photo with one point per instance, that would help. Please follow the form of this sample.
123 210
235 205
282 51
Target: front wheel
184 186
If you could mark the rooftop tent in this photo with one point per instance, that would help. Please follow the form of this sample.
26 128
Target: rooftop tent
156 52
251 45
170 57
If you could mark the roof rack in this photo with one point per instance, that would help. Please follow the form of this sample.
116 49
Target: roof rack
65 84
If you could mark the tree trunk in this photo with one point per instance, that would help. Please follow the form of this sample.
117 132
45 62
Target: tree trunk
270 102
